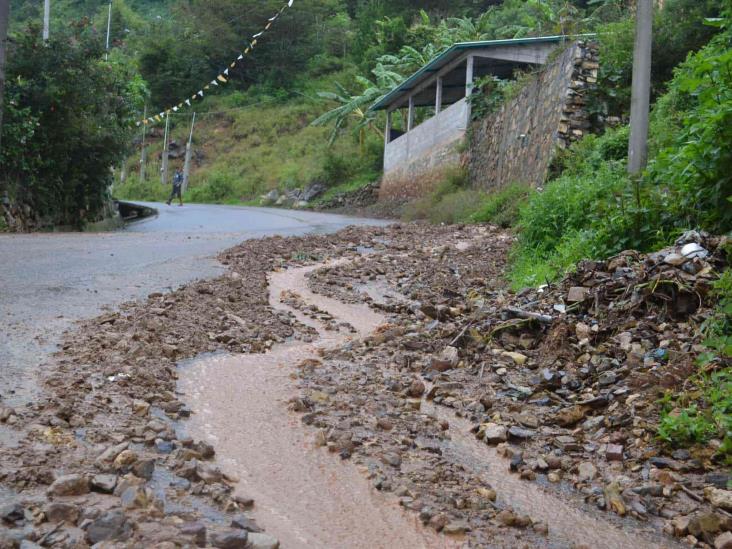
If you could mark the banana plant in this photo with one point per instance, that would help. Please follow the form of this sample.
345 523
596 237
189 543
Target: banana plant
356 107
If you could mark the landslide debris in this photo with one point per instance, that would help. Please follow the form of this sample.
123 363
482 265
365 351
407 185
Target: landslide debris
563 380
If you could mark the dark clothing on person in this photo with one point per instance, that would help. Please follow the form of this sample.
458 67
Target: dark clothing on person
177 188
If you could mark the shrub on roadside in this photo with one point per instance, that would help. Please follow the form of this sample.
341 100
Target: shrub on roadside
502 207
704 410
451 201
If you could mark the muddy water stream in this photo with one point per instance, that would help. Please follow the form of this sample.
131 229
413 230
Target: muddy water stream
307 497
304 496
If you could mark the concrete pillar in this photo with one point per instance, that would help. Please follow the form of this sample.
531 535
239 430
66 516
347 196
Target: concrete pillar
46 19
387 130
469 76
410 114
641 95
189 152
143 163
438 97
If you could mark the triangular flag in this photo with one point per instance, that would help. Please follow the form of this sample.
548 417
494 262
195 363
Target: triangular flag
275 17
158 118
214 82
233 64
207 87
201 92
162 114
226 72
175 109
246 51
188 102
289 4
138 123
254 43
220 78
258 34
268 26
240 57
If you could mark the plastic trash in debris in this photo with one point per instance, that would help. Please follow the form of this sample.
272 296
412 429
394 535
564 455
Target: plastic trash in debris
694 251
660 354
695 237
117 376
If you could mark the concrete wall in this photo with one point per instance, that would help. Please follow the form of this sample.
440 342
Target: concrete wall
411 160
518 142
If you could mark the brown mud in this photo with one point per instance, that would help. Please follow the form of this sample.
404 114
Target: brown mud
338 402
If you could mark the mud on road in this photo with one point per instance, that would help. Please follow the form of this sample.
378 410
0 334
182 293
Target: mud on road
457 443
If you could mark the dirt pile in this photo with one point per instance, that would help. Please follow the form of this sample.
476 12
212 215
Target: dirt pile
557 385
102 456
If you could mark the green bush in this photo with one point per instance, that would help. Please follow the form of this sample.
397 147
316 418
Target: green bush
696 168
678 29
451 201
502 208
217 189
704 411
69 118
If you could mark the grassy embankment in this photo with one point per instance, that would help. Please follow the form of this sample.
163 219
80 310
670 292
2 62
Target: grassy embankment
248 143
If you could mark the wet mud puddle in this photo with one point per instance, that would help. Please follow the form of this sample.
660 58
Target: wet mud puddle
308 498
304 496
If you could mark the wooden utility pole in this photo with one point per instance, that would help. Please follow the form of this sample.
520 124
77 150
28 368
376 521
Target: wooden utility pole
641 96
189 153
164 167
46 20
4 19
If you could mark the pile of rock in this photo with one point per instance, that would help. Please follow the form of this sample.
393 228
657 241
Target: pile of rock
295 198
563 380
360 198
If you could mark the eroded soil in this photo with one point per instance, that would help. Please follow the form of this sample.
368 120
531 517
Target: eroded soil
343 412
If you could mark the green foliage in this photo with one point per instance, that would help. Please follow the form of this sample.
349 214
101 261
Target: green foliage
697 167
593 209
488 96
502 208
686 427
451 201
68 120
677 30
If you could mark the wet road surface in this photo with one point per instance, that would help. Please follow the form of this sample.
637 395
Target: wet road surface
49 281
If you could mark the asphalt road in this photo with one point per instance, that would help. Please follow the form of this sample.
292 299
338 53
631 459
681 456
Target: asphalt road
50 281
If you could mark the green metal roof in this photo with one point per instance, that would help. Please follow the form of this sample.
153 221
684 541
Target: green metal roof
449 55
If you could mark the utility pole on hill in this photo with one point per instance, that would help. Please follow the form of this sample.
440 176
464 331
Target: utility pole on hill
143 153
4 20
109 28
46 20
641 97
164 166
189 152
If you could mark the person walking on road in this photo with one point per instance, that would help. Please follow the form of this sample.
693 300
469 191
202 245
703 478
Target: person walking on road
177 188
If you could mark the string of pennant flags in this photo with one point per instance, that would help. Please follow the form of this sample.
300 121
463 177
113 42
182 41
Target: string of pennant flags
222 78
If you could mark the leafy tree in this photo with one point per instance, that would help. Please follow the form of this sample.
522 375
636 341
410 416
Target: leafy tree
357 106
69 121
677 30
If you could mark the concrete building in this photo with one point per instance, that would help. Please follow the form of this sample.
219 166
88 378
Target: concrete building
443 86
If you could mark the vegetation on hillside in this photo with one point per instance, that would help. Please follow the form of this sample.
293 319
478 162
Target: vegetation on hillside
68 117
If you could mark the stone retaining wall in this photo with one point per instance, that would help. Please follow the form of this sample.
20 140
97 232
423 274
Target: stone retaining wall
517 143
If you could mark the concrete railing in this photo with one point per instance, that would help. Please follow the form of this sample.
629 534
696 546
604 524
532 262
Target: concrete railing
445 128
